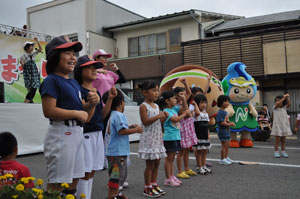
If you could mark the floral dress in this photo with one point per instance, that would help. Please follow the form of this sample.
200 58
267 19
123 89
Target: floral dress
151 145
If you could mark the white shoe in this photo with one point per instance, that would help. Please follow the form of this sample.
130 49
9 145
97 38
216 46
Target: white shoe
125 184
207 169
120 188
229 160
224 162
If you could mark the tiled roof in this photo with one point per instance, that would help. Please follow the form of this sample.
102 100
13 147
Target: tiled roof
259 20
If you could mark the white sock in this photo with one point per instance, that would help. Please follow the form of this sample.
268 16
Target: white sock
90 188
82 187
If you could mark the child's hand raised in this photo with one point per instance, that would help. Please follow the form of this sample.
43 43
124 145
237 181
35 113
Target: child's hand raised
183 81
114 67
82 116
113 93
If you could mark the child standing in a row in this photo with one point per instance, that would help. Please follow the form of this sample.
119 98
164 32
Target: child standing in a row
187 134
151 147
281 124
118 148
223 125
172 132
201 129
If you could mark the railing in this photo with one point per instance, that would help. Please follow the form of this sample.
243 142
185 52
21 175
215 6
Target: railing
14 31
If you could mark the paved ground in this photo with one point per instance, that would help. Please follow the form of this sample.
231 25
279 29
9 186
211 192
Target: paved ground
270 178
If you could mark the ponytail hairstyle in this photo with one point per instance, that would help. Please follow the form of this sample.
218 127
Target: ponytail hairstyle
164 96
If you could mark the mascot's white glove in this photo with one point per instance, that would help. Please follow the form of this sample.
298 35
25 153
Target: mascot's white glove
253 111
230 110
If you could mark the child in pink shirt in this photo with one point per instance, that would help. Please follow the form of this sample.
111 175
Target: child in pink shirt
106 79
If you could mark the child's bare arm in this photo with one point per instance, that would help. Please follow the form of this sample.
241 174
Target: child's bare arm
184 104
187 88
135 129
207 84
197 111
149 120
176 119
38 43
51 111
112 94
90 105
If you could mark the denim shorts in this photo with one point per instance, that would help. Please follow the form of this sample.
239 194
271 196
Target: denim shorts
223 135
172 145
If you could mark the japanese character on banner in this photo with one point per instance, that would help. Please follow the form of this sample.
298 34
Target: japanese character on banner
9 72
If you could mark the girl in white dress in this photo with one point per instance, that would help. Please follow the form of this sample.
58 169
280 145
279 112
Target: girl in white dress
281 124
151 147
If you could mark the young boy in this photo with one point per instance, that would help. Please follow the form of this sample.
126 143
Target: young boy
8 153
118 146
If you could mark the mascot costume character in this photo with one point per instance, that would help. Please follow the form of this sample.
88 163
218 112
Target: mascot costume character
196 76
241 88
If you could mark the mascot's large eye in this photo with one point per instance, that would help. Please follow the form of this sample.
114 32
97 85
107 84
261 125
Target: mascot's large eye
236 91
248 90
209 90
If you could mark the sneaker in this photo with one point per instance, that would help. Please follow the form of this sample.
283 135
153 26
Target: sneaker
284 154
171 183
120 188
125 184
229 160
158 189
198 169
207 169
202 171
183 175
150 192
176 180
276 155
191 172
224 162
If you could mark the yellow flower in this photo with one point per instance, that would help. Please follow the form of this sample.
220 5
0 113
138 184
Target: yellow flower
8 175
14 196
65 185
40 196
2 178
20 187
25 180
37 191
39 182
69 196
82 195
31 178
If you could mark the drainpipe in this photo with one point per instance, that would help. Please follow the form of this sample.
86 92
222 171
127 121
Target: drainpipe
200 29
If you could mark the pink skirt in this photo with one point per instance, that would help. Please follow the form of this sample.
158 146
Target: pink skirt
187 133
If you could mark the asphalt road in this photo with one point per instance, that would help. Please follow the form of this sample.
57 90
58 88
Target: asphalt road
269 178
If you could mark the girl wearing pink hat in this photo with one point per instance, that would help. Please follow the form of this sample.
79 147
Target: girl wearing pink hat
106 79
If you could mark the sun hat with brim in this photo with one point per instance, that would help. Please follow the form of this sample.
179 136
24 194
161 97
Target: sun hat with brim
101 52
62 42
86 60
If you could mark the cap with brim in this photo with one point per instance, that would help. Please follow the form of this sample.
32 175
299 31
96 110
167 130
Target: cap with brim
62 42
28 43
86 60
101 52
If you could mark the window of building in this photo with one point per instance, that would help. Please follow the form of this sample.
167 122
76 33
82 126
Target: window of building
147 45
174 39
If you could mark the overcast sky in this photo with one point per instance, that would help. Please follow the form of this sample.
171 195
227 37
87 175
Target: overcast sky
13 12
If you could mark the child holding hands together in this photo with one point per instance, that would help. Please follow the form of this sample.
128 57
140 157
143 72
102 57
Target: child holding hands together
223 125
151 147
172 132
